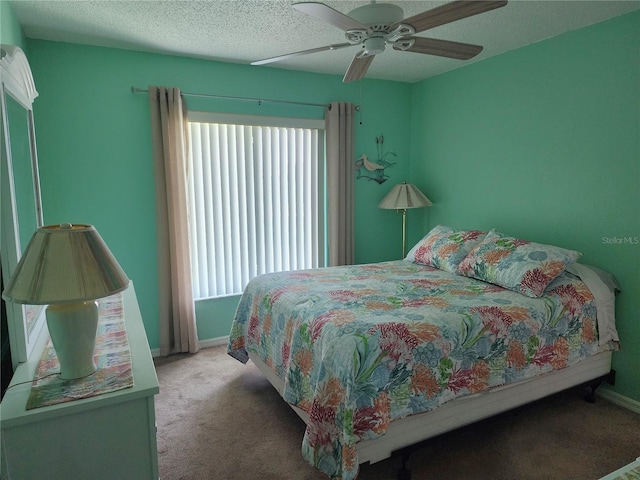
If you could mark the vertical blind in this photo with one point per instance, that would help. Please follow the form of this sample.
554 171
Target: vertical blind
254 203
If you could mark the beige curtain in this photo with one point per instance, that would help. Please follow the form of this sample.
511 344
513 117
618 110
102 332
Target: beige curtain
339 118
177 320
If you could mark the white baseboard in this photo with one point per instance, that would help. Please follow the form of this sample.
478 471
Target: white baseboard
620 400
209 342
213 342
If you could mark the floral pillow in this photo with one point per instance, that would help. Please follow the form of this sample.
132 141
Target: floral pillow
445 248
517 265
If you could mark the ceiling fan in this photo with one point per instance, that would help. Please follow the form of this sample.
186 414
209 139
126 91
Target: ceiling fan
377 25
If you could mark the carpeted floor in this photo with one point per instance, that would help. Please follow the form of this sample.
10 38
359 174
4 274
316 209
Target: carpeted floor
220 419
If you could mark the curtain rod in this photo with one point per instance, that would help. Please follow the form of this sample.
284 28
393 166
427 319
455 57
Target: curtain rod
245 99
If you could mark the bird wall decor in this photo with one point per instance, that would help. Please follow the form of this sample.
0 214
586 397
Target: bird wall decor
376 168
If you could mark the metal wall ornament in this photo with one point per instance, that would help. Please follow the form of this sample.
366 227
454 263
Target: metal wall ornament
375 170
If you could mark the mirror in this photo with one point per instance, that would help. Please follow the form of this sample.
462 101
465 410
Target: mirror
20 190
18 127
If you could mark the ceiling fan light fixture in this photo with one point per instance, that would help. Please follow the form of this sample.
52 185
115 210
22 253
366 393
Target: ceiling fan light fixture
373 45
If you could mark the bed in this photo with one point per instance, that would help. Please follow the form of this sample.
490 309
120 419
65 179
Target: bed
470 324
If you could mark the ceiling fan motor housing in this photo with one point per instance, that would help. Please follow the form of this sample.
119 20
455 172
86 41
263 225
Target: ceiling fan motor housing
377 16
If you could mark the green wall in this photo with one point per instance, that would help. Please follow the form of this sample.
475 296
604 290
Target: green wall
10 29
96 156
544 143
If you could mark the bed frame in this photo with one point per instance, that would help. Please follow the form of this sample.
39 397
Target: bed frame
465 410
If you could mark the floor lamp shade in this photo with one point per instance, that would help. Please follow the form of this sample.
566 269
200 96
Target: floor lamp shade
401 197
68 267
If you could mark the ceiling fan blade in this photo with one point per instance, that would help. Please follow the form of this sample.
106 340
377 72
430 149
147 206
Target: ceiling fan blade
441 48
329 15
358 68
449 12
303 52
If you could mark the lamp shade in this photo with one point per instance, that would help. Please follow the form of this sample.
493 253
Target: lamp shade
65 263
403 196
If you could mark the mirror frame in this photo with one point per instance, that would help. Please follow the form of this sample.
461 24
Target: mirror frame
24 321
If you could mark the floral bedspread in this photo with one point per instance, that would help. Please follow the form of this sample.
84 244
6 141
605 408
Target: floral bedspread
359 346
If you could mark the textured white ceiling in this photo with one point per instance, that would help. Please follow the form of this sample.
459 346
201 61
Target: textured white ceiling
243 31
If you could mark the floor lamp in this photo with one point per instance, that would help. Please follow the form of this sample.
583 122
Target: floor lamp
400 198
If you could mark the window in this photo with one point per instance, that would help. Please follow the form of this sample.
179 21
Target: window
256 199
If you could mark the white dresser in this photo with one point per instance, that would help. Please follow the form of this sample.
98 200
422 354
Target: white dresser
110 436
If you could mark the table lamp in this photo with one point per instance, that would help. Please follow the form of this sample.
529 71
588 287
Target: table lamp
401 197
68 267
